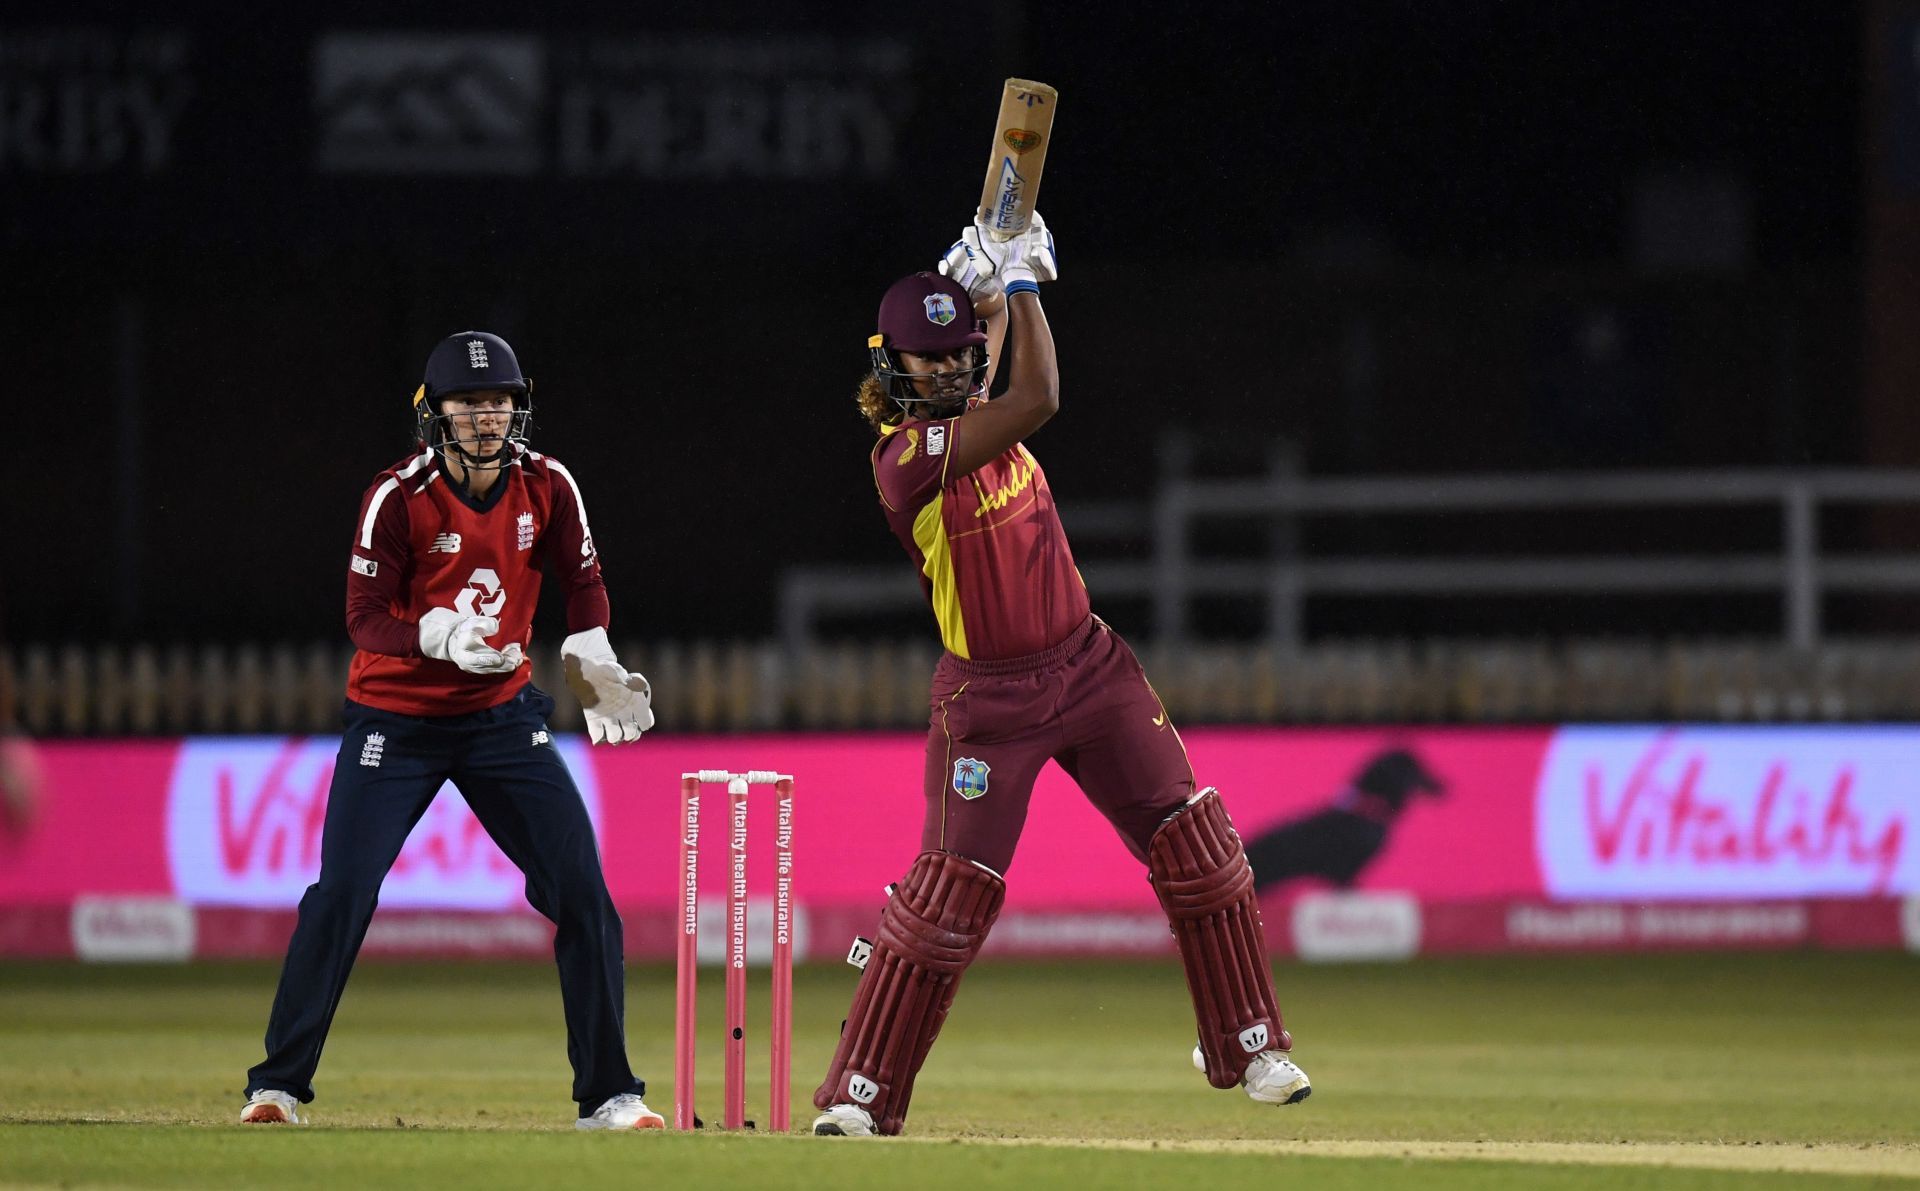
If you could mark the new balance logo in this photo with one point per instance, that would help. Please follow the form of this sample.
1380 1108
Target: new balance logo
371 750
862 1089
446 543
541 737
477 352
1253 1039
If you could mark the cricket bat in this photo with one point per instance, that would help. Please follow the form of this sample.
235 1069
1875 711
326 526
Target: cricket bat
1019 152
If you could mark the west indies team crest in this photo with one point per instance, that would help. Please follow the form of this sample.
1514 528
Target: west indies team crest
969 778
940 308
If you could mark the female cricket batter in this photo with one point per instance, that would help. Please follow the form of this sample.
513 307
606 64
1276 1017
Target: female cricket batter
441 587
1029 674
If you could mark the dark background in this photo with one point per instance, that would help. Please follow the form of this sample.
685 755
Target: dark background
1407 237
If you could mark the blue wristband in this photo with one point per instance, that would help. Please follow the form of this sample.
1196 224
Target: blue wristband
1023 286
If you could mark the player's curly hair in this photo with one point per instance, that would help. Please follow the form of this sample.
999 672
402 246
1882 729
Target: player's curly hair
875 406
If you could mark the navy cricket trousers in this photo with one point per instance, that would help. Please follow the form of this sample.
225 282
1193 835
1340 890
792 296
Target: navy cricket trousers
503 764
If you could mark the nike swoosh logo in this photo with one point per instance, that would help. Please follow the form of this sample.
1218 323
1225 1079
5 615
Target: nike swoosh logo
1159 719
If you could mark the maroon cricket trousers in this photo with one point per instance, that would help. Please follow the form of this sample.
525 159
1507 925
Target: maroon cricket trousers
1084 703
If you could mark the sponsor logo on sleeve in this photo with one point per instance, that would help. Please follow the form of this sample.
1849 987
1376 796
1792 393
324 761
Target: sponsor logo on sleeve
936 440
365 566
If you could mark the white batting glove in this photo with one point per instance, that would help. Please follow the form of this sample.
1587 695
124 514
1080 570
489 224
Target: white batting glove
618 705
462 640
969 265
986 265
1030 256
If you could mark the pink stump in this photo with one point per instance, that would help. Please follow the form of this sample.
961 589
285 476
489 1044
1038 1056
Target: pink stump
687 954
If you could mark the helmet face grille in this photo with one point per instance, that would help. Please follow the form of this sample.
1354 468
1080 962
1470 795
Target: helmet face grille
437 429
471 362
898 382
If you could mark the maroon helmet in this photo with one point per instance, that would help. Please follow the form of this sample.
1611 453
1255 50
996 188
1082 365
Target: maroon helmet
925 312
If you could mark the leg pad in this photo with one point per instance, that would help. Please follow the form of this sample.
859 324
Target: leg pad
1199 870
931 930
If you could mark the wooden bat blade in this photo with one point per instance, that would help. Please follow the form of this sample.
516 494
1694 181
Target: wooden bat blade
1021 138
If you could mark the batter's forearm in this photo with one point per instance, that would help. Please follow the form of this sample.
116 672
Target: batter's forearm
1036 370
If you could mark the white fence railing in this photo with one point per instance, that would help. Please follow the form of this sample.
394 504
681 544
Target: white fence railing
1175 571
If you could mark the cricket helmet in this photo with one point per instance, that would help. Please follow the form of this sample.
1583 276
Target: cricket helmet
471 362
926 313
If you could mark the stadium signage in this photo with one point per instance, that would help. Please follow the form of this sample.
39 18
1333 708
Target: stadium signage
1712 812
1356 926
110 929
244 821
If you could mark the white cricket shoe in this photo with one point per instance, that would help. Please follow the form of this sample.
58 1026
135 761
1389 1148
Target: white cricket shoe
844 1120
625 1111
270 1107
1271 1078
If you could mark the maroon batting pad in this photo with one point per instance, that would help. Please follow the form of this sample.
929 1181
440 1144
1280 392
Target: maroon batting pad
1200 872
931 929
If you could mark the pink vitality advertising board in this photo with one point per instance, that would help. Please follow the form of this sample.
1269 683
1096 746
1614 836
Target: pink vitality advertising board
1366 843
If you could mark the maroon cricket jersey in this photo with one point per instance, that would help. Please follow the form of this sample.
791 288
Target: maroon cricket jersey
993 557
421 543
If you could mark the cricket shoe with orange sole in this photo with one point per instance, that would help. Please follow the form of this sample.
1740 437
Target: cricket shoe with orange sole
270 1107
625 1111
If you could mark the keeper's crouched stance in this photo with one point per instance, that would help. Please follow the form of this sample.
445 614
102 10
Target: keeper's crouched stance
1029 675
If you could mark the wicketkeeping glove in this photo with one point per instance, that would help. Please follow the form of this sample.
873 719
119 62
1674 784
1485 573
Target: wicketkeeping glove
618 705
462 640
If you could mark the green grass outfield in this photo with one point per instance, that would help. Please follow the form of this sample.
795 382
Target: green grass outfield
1780 1070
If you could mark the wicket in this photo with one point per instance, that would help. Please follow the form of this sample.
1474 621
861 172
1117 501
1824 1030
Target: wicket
734 1113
